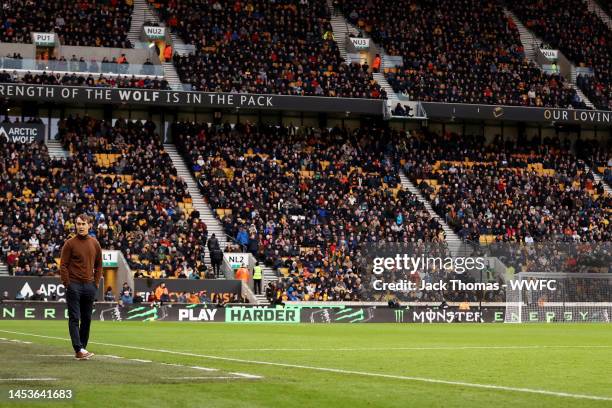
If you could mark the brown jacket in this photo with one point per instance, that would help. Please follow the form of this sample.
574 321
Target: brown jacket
81 261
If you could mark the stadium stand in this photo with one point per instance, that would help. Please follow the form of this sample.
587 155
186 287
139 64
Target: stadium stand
509 191
118 173
464 51
281 47
82 23
305 201
310 202
569 26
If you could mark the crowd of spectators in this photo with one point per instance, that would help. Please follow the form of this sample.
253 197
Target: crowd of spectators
102 23
554 256
306 201
580 34
28 238
463 51
137 201
257 46
597 90
511 190
95 81
311 203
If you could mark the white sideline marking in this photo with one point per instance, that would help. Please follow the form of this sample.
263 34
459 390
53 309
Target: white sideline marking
3 340
28 379
139 361
208 378
203 368
246 375
340 371
421 348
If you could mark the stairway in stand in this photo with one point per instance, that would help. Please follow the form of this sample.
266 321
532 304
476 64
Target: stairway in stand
56 150
208 216
140 15
455 244
172 77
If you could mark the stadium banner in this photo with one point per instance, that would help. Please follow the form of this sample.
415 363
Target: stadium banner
43 39
307 313
360 43
51 288
452 111
221 287
249 314
559 313
551 55
414 314
155 33
23 133
205 313
154 312
85 95
21 310
110 259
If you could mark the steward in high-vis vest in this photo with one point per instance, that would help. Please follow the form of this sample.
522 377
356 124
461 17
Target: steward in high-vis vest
257 278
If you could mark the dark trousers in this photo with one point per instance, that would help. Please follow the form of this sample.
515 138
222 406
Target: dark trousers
216 266
80 299
257 286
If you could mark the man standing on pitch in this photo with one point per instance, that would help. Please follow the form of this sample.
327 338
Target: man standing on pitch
81 269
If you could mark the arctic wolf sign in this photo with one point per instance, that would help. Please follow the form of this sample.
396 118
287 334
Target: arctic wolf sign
23 133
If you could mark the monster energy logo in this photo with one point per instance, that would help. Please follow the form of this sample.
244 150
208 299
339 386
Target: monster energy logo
399 315
350 315
144 313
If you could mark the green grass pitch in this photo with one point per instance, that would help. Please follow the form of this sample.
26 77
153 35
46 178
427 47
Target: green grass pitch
145 364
